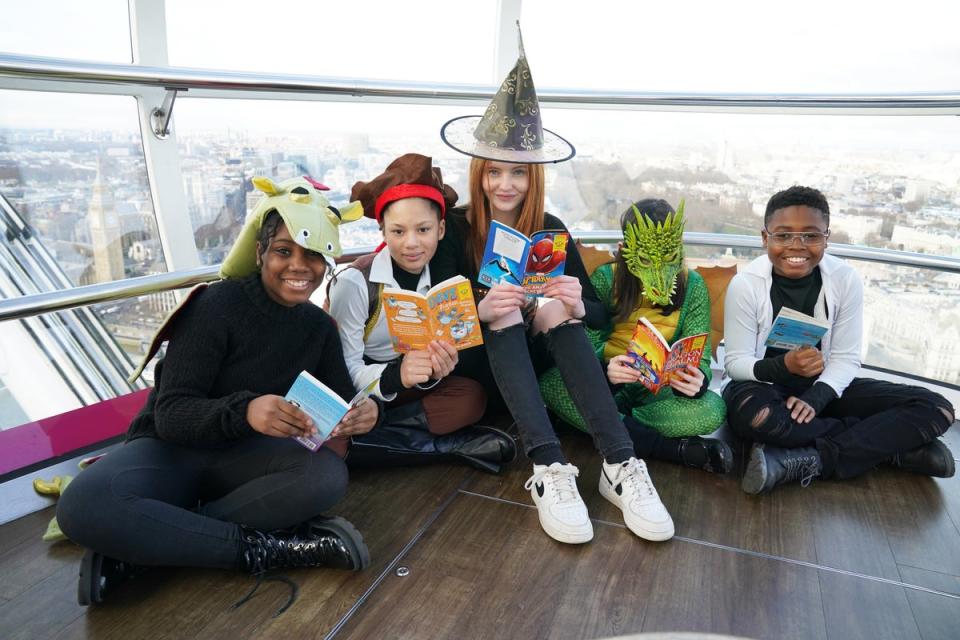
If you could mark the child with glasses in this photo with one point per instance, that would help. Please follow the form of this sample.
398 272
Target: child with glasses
807 410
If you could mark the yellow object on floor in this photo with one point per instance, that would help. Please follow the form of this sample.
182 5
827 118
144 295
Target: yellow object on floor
52 488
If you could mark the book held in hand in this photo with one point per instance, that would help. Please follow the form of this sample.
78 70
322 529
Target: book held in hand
656 360
447 312
793 330
322 404
514 258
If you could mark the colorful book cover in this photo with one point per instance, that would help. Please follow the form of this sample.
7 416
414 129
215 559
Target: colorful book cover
792 330
447 312
531 262
319 402
655 360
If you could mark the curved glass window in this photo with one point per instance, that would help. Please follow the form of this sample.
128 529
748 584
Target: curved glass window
88 30
429 40
700 45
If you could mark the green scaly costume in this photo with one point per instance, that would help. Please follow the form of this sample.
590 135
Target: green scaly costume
654 253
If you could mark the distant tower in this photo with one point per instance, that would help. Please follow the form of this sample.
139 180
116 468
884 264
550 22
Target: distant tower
104 232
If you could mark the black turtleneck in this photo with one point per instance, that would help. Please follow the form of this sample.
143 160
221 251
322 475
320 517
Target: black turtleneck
230 344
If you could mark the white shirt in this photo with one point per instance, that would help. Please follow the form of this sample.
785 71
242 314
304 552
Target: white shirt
350 304
748 316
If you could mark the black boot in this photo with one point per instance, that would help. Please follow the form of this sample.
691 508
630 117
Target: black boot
100 575
324 542
481 447
709 454
932 459
769 466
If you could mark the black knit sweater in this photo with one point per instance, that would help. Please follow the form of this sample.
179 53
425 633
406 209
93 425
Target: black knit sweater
229 345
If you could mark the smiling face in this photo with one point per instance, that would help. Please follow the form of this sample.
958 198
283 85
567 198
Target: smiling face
795 260
290 273
412 229
505 184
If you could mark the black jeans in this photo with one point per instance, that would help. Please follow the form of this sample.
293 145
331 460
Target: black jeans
512 363
870 422
151 502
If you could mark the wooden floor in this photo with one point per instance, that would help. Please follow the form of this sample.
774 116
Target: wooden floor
877 557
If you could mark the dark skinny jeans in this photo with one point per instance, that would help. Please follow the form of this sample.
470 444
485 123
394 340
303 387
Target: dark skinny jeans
151 502
868 424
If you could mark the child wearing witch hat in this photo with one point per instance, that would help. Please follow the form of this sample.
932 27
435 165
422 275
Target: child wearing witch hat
509 147
431 415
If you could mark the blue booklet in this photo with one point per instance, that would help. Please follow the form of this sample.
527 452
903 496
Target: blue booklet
793 330
322 404
530 262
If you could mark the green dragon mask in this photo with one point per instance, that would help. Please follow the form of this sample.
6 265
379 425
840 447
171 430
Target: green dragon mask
653 252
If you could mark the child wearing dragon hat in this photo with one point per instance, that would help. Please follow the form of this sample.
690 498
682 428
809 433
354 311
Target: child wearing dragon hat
210 475
649 280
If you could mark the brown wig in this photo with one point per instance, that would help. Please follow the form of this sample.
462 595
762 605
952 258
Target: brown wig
478 209
627 288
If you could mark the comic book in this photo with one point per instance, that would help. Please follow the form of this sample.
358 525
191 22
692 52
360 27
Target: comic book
530 262
656 360
447 312
792 330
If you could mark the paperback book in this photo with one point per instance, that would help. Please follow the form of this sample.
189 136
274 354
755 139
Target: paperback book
447 312
793 330
656 360
530 262
323 406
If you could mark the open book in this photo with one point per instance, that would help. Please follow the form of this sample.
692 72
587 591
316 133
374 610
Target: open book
447 312
322 404
792 329
656 360
530 262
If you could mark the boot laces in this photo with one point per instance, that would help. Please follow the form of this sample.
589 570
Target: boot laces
558 478
803 468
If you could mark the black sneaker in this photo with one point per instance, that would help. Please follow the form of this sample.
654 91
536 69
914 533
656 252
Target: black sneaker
100 575
770 466
932 459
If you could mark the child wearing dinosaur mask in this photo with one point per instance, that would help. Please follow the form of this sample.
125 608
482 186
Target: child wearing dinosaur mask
649 279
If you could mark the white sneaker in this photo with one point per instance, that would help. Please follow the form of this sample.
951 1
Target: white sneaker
628 485
563 515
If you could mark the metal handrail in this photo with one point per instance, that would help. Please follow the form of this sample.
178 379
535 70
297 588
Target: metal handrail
82 71
48 302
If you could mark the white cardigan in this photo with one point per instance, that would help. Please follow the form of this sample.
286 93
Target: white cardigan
748 315
349 305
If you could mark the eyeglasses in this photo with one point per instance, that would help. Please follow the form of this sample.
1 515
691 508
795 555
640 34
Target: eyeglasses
807 238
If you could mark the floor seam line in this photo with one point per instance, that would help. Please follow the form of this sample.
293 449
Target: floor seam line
396 559
755 554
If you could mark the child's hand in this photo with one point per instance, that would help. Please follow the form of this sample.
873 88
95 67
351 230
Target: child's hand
443 358
800 411
687 381
806 362
276 417
501 300
569 291
619 371
358 420
415 368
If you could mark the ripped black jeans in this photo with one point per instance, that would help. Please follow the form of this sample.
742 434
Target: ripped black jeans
867 425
